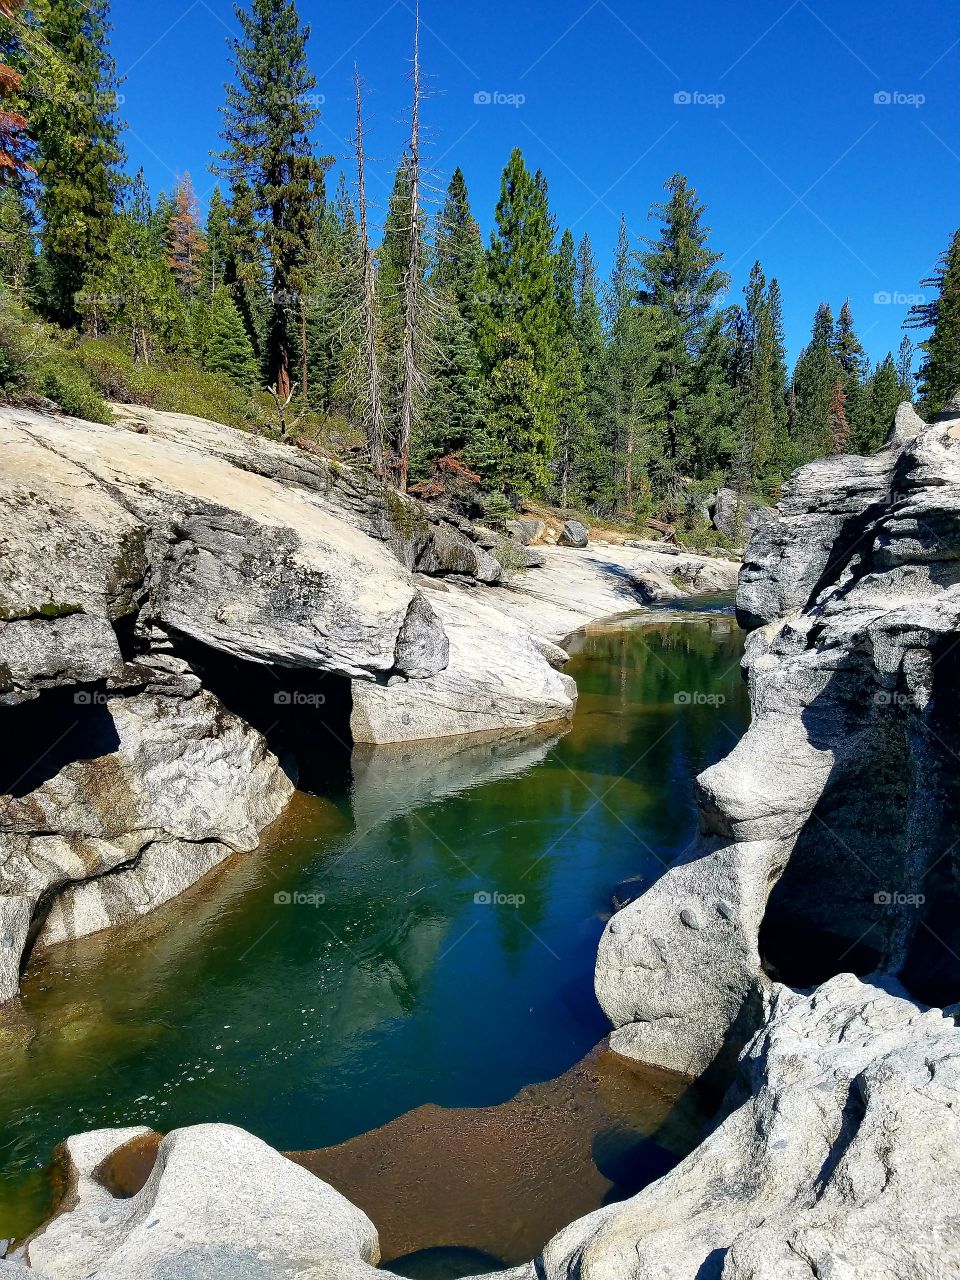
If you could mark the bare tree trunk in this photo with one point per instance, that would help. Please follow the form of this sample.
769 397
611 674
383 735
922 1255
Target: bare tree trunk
373 409
412 283
629 475
303 348
565 466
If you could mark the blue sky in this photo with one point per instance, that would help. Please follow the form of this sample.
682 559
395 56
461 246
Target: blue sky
824 138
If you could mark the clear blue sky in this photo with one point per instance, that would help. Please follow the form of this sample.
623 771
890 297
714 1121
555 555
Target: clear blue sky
837 193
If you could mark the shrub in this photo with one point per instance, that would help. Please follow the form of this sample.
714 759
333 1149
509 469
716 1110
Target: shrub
171 385
510 557
38 360
62 379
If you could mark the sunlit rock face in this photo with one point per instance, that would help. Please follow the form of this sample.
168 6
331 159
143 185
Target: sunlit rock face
829 831
156 575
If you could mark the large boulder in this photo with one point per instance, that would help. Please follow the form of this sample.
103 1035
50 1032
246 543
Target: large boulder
840 1156
827 839
163 785
574 534
217 1203
497 678
97 521
737 516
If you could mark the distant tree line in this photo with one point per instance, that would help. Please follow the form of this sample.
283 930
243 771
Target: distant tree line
513 357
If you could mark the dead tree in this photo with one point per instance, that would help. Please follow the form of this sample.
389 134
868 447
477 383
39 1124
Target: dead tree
413 285
373 389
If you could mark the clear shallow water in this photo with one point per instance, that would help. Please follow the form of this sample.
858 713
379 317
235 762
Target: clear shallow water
438 945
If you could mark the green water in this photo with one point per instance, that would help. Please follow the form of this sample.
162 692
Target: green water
439 946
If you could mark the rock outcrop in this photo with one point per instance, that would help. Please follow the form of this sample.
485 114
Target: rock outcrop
827 838
217 1202
840 1156
138 561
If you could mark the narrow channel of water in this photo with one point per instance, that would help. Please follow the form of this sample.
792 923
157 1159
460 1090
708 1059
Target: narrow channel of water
426 936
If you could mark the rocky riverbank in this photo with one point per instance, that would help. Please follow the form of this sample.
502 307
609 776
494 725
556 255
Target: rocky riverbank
815 922
191 616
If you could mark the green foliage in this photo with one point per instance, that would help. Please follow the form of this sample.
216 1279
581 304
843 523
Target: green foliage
78 151
510 557
495 508
37 359
939 376
513 451
227 347
814 381
520 287
681 280
173 384
268 118
133 294
761 394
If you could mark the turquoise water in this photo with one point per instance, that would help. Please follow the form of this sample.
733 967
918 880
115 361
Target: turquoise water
425 934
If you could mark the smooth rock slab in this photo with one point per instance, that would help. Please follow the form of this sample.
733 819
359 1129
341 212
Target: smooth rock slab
497 678
219 1205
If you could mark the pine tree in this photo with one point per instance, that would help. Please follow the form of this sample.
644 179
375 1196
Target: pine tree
453 412
634 361
458 252
853 369
216 256
228 348
393 267
592 479
570 393
762 410
814 380
905 369
520 281
511 452
185 243
268 118
246 271
884 392
682 280
939 377
78 151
